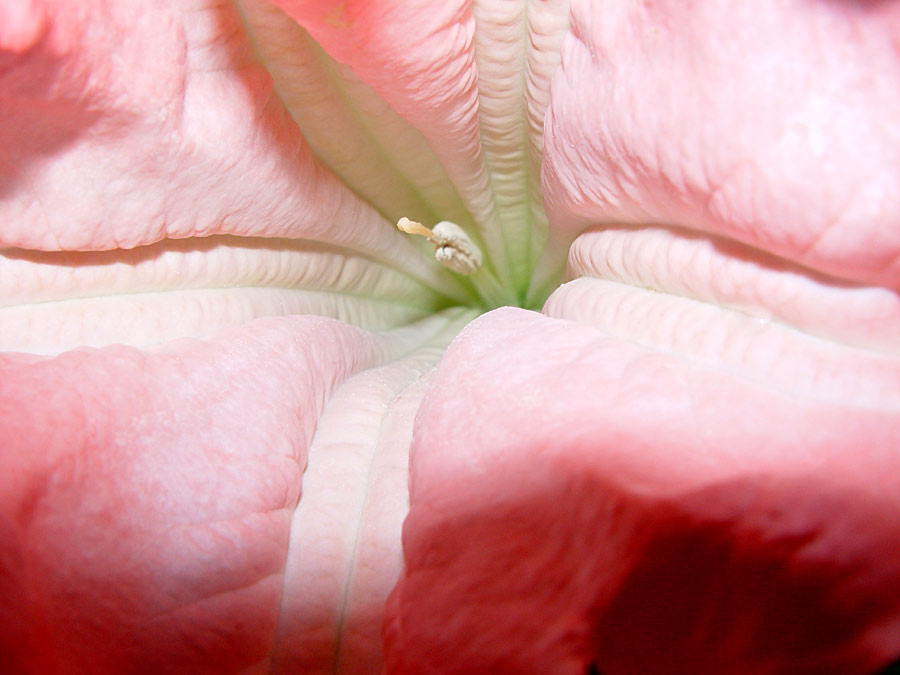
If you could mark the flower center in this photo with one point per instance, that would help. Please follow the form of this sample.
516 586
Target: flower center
453 247
456 251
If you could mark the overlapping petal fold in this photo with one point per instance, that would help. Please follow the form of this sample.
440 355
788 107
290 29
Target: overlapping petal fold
435 113
577 498
761 123
686 464
167 192
149 499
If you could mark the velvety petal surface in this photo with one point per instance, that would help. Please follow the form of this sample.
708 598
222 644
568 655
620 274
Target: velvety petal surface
768 123
687 465
149 517
166 192
226 504
580 498
703 477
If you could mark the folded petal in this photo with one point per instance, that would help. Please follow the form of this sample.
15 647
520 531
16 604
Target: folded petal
418 85
577 498
769 123
149 514
176 137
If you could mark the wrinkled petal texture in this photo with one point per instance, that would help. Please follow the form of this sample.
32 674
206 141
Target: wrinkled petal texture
168 193
764 122
471 81
686 463
150 500
703 478
580 499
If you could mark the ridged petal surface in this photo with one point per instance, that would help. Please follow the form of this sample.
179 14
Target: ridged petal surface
238 433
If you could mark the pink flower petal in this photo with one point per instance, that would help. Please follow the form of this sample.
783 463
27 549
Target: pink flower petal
177 137
577 498
149 501
695 471
770 123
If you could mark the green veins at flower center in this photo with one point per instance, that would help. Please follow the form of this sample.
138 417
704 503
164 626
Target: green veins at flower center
469 155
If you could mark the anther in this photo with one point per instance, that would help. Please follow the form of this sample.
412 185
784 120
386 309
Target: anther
453 249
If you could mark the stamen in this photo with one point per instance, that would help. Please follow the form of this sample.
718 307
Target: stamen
412 227
453 249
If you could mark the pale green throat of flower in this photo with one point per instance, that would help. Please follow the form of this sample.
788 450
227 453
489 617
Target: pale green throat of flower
456 251
480 207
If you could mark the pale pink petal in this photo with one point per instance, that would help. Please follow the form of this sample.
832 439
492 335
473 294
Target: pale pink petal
149 501
701 478
690 274
133 125
577 498
772 123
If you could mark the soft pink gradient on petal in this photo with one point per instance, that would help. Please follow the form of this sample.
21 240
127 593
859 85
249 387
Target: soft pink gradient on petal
147 497
577 498
153 186
772 123
692 467
419 57
179 135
